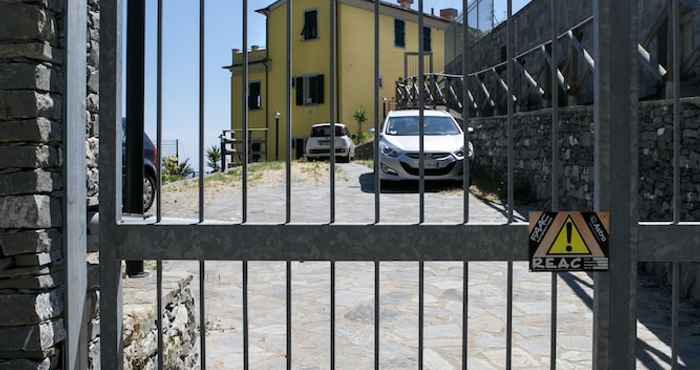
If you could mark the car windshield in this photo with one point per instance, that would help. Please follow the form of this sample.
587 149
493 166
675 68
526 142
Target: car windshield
325 131
434 126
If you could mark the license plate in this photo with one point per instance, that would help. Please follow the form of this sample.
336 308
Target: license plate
431 163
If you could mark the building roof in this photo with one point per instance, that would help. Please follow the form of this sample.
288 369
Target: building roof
266 10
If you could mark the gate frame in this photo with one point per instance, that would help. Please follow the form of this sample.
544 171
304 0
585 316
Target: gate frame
123 238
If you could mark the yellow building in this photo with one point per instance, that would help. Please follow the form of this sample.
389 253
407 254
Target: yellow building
311 49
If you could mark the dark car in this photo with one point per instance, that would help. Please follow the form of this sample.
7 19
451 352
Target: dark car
150 158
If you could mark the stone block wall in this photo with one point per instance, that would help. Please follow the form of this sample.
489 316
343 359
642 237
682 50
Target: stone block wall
31 160
532 133
31 263
532 164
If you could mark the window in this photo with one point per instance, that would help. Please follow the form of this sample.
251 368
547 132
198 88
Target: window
310 30
325 131
399 33
309 90
427 39
433 126
254 96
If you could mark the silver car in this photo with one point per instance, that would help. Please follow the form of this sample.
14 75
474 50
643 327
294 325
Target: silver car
318 144
444 150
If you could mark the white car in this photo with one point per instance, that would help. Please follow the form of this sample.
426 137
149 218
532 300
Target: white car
444 150
318 144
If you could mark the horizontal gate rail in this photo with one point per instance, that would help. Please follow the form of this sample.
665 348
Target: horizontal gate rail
658 242
338 242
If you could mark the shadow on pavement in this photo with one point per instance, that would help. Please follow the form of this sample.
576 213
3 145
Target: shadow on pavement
648 296
407 187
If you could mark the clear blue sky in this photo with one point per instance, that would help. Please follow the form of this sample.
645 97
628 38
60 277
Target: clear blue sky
180 63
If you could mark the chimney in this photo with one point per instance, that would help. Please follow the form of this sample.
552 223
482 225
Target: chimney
406 3
449 13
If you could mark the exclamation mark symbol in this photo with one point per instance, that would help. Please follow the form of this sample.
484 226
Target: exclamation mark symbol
569 248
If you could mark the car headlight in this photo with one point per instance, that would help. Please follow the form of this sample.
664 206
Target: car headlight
460 153
389 150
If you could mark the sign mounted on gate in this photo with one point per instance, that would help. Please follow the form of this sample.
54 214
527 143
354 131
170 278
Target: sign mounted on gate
569 241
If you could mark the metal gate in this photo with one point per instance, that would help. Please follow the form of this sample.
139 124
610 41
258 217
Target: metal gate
131 238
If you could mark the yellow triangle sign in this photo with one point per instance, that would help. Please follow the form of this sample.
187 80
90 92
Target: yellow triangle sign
569 241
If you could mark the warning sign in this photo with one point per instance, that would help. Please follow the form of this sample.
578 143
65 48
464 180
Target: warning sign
569 241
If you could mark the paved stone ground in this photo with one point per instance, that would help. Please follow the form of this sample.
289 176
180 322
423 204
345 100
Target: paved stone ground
399 299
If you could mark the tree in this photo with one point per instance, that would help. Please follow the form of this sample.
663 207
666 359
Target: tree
214 158
360 117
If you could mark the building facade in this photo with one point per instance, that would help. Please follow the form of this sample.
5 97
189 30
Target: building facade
311 50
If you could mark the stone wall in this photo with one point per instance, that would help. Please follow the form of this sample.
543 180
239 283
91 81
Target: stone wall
532 163
31 160
532 132
31 266
180 333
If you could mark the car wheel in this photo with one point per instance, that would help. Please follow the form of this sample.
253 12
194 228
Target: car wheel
149 192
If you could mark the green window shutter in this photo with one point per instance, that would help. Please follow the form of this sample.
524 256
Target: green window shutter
427 39
310 30
254 101
299 82
319 89
399 33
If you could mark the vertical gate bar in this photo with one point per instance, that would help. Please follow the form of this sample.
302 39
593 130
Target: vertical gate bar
601 183
376 314
675 331
159 107
509 318
553 323
159 311
511 196
555 109
675 16
509 100
244 267
289 314
288 87
421 303
555 176
377 180
110 155
202 319
465 109
465 306
675 22
135 90
201 110
616 89
331 83
421 116
244 112
332 315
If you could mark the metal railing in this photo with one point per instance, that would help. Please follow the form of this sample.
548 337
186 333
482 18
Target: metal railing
444 89
123 238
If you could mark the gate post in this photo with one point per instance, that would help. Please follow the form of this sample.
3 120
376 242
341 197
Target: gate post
110 183
74 172
615 112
